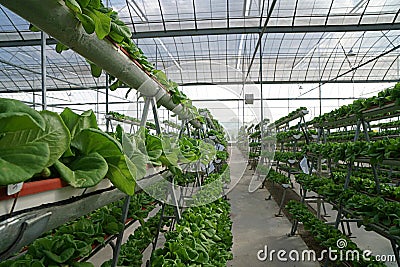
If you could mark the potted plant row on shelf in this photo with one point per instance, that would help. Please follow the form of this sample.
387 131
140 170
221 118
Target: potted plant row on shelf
361 106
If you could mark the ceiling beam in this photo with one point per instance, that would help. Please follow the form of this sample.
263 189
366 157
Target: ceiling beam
231 30
269 29
2 91
32 42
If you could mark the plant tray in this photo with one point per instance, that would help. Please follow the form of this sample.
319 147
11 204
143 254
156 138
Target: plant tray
301 113
41 192
378 112
123 120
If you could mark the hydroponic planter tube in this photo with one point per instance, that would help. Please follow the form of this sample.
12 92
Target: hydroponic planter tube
31 218
57 20
22 229
34 194
281 123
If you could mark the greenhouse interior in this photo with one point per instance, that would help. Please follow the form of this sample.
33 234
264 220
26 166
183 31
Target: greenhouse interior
199 133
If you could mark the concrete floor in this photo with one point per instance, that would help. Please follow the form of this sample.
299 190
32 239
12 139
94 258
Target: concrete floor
255 226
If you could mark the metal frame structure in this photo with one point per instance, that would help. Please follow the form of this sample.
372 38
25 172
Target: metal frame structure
205 40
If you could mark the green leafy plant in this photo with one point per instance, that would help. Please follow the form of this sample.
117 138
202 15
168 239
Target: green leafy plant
30 141
203 236
325 234
292 114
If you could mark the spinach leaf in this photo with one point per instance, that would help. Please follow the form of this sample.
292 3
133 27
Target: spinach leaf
84 171
28 118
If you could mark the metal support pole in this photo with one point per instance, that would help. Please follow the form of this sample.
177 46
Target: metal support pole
395 250
155 115
121 233
261 90
145 112
107 108
285 188
320 99
43 69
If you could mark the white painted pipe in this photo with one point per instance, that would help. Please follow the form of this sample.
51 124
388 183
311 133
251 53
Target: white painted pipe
54 18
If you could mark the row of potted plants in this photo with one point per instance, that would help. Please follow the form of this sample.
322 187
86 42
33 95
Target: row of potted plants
390 95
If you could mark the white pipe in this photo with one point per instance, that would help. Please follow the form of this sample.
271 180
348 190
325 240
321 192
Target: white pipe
54 18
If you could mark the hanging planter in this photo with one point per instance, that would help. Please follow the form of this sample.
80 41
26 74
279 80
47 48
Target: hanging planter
34 194
35 187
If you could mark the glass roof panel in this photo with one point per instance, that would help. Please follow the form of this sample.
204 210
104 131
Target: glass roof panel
209 57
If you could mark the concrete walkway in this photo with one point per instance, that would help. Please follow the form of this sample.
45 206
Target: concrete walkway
255 226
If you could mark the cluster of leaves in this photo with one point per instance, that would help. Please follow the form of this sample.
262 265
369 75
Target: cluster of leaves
322 185
212 187
278 177
254 154
364 182
372 209
222 155
326 234
201 150
360 105
219 136
69 242
105 22
349 135
131 251
256 134
284 156
172 124
254 144
72 144
286 136
202 238
29 141
350 151
387 125
123 117
167 151
375 210
291 115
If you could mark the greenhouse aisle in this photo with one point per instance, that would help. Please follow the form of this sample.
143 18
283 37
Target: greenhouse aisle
255 225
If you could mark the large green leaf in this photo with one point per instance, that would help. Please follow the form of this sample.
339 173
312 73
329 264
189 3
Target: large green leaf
55 134
85 171
83 3
20 163
87 23
94 140
120 172
61 47
76 122
140 161
154 148
95 70
121 29
28 117
135 155
73 5
102 22
95 3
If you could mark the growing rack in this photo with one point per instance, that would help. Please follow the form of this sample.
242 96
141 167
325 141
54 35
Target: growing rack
289 145
361 125
55 18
